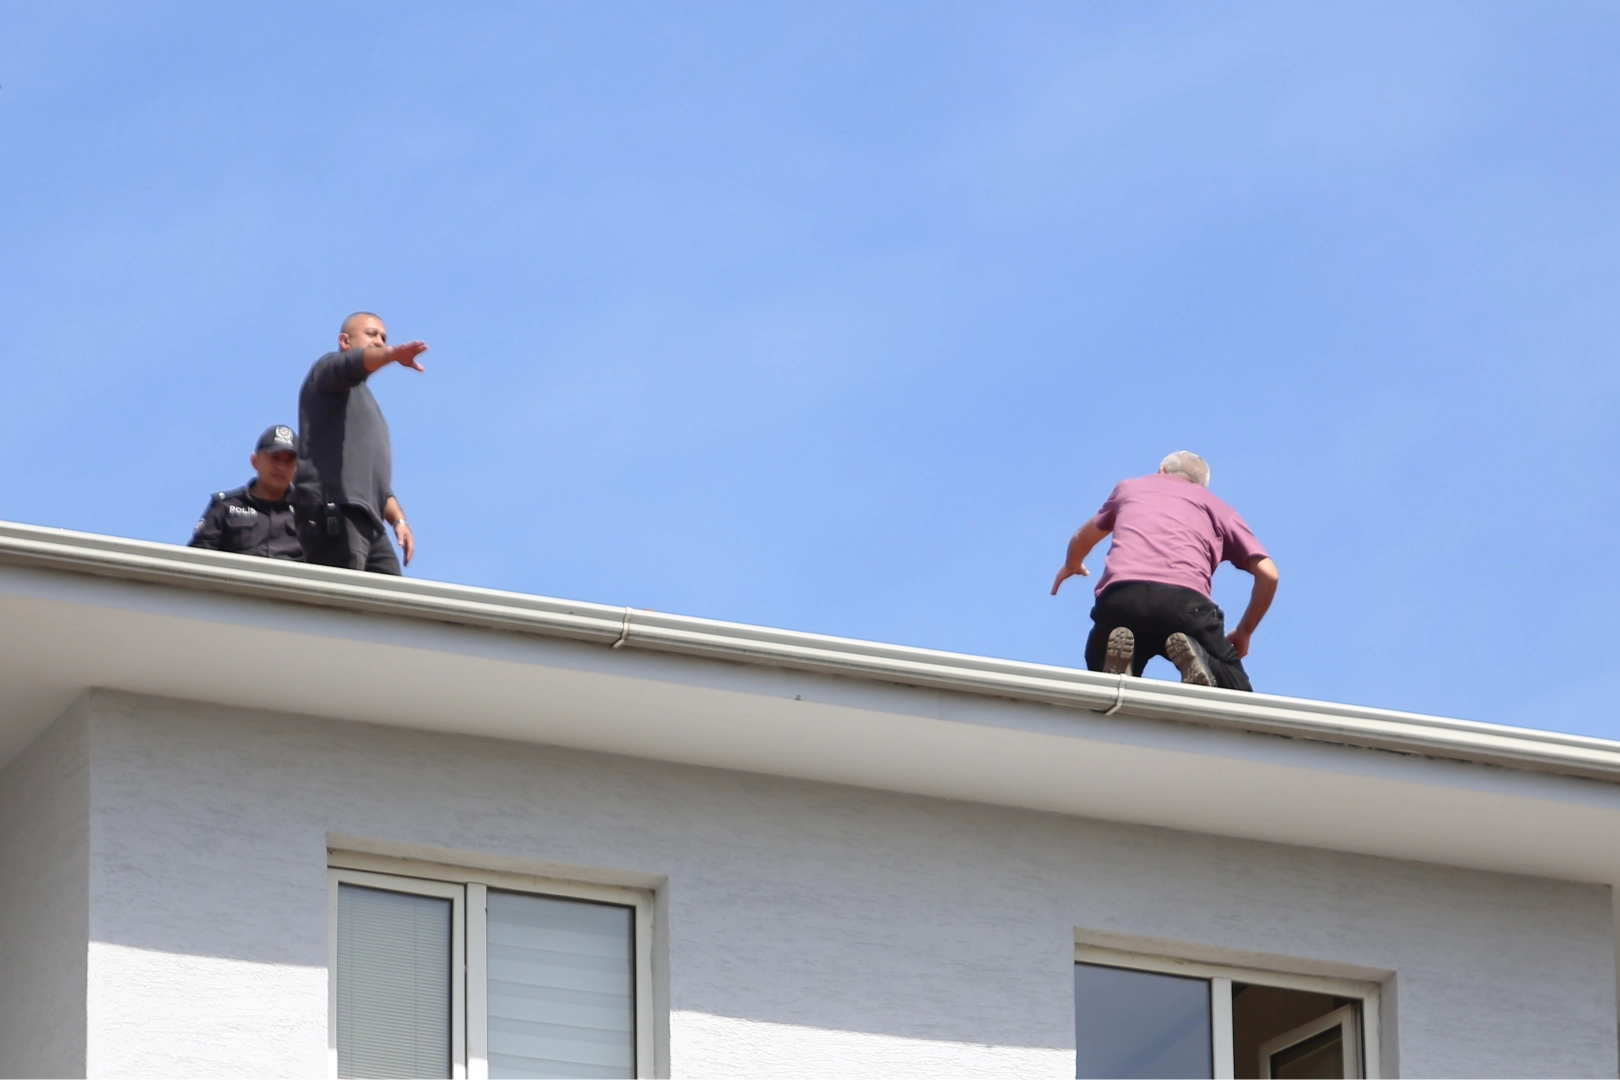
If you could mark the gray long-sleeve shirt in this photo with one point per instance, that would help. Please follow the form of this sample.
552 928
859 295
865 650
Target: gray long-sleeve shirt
344 455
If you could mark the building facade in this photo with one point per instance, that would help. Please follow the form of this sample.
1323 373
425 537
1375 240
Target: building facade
285 820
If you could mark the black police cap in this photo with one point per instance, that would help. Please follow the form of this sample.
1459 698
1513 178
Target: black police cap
276 439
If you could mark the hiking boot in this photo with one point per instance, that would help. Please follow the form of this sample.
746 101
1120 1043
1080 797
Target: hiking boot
1121 648
1188 656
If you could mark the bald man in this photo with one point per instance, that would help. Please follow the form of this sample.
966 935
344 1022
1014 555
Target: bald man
345 486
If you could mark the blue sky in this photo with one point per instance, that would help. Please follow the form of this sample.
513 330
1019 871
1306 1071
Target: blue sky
842 317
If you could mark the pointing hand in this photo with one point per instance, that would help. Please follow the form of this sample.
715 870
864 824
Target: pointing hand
405 355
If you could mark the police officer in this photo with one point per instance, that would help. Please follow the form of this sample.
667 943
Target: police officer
258 518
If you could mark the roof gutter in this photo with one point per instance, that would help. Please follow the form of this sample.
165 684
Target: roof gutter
621 627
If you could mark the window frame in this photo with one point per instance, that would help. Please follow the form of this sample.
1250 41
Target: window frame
468 888
1222 976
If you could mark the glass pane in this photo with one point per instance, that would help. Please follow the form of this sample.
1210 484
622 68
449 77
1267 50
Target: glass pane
562 987
393 983
1140 1024
1320 1056
1261 1014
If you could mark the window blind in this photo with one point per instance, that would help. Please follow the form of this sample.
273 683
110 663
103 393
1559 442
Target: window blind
561 987
393 983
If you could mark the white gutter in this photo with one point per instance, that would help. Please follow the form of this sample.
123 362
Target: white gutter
619 627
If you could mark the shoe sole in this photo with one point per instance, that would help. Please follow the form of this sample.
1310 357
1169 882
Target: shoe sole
1184 654
1121 650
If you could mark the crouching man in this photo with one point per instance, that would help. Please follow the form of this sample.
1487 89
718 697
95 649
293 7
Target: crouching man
1170 533
257 518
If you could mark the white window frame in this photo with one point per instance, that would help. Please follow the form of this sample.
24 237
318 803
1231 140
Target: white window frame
469 889
1222 976
416 887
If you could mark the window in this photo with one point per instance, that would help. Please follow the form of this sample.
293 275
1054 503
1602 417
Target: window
447 973
1148 1016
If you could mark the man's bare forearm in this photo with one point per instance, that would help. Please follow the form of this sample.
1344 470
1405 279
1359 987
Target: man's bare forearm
1081 543
376 357
1261 596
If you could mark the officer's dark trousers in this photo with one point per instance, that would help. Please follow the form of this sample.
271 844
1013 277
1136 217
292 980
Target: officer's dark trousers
1154 612
361 543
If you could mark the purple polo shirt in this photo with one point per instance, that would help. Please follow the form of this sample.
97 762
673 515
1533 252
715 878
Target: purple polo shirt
1172 531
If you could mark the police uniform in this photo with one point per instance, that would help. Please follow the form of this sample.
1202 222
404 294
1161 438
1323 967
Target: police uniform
250 525
237 521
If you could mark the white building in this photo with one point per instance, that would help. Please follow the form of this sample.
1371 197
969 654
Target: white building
270 819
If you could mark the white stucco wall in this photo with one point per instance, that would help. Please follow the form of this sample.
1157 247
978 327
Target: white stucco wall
810 928
44 903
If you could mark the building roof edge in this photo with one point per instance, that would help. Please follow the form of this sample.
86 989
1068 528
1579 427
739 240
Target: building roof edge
621 627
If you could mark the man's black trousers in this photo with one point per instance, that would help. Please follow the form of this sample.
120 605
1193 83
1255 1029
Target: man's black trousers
360 543
1154 612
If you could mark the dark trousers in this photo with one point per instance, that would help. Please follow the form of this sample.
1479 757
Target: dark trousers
1153 612
360 543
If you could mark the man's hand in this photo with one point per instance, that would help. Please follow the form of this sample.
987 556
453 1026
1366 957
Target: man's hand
1065 574
407 542
394 514
1080 545
380 356
1239 640
1265 589
405 355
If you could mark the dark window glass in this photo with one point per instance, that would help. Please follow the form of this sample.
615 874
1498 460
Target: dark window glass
1320 1056
1140 1024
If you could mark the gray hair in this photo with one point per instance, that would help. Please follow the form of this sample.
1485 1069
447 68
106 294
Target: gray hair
1187 465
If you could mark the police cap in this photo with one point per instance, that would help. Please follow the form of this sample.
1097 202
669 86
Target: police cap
276 439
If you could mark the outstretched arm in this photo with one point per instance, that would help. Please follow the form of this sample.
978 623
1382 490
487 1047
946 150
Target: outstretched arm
1080 545
378 356
340 372
1265 590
